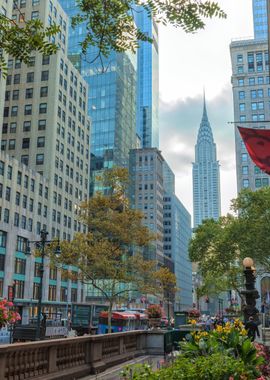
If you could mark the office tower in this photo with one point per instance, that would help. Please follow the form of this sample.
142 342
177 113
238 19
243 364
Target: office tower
260 18
112 101
206 181
44 160
146 189
148 82
177 234
5 9
251 91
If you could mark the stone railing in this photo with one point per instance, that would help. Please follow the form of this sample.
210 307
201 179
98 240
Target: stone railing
72 358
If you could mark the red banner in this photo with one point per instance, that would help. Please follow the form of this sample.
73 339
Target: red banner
257 142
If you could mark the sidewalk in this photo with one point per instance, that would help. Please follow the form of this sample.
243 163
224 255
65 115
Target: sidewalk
113 373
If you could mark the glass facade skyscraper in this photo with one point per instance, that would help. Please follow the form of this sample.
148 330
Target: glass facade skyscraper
206 182
148 83
112 100
260 19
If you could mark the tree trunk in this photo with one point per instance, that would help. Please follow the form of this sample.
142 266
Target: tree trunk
110 318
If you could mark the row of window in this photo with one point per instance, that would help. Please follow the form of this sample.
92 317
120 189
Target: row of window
255 106
30 77
17 63
259 182
252 81
25 143
29 93
41 126
253 94
27 110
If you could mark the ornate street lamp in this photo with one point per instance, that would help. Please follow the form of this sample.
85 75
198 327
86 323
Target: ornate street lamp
250 293
40 245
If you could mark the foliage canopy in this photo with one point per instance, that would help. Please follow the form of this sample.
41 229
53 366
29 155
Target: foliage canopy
220 246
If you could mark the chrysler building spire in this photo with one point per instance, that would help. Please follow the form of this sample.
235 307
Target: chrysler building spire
206 181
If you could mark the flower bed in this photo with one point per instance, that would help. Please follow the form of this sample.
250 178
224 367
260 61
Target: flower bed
225 353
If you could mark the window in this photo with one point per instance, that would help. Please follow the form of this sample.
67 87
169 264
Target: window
41 125
251 81
265 181
45 60
41 142
19 266
43 92
43 108
6 215
3 239
30 77
11 144
16 219
2 264
241 82
242 107
45 75
26 126
6 111
63 294
32 184
19 289
13 127
29 93
25 182
5 128
241 95
31 62
24 202
26 143
245 183
8 192
17 78
15 95
52 293
17 198
244 157
258 182
25 159
14 111
9 172
73 295
239 58
40 159
35 15
3 145
28 109
36 288
21 244
19 178
240 69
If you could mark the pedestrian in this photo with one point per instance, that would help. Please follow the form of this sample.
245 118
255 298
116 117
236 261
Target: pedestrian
252 329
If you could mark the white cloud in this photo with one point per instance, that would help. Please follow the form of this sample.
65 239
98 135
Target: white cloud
187 64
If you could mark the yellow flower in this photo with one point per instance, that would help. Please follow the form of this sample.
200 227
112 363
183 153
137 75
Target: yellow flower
219 328
193 321
243 332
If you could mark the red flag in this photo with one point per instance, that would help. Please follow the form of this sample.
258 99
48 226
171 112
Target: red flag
257 142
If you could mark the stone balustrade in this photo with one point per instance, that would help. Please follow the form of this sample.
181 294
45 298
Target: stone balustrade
72 358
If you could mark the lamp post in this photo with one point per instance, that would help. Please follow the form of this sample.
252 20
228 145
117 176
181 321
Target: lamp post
250 293
40 245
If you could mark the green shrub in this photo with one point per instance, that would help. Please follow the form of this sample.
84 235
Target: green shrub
213 367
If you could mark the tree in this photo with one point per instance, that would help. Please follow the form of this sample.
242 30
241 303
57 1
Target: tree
20 40
220 246
108 256
217 256
166 280
110 24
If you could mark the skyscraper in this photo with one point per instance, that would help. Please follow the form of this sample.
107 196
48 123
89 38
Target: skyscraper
251 91
44 165
206 181
177 234
148 82
260 19
112 100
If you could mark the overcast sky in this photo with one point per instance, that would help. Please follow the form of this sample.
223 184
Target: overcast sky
189 62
